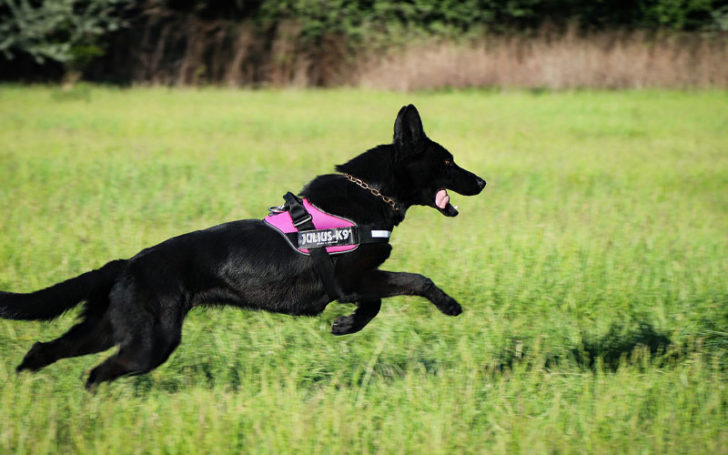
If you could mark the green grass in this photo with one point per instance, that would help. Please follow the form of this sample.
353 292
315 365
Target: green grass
592 271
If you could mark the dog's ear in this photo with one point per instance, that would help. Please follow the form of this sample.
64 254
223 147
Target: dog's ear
408 126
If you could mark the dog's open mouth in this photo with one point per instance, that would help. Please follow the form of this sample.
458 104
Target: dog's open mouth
442 202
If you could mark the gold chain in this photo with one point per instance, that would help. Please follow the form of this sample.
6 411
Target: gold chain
392 203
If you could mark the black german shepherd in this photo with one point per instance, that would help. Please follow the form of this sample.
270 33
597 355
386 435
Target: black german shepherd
139 303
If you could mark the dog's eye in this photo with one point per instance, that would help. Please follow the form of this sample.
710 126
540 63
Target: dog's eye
448 162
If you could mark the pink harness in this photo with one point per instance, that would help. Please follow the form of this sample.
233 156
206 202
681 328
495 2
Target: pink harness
313 232
322 220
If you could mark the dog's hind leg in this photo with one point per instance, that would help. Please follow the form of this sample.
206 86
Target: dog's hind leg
91 335
148 346
365 312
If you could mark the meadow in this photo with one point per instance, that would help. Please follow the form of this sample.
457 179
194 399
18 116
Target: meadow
592 273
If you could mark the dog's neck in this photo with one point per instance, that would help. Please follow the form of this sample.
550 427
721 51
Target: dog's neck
375 192
374 171
376 167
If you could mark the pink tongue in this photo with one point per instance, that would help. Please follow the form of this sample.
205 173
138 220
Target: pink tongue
442 199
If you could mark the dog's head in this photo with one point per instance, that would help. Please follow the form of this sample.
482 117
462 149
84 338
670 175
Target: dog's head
427 168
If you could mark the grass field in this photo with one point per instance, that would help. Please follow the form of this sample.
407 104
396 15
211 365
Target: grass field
592 271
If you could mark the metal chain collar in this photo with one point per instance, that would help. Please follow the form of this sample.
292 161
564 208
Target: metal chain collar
388 200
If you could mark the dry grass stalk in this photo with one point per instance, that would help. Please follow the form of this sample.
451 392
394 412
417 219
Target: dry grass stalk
604 60
183 50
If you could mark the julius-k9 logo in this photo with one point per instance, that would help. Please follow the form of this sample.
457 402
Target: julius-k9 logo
326 237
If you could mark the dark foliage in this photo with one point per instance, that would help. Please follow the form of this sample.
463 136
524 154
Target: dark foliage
183 41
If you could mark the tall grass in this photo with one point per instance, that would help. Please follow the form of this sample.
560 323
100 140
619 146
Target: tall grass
592 274
185 51
612 59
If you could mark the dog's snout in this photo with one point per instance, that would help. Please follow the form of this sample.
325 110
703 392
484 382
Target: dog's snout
481 183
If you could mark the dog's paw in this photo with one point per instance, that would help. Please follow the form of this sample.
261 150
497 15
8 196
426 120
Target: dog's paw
449 306
344 325
91 383
32 361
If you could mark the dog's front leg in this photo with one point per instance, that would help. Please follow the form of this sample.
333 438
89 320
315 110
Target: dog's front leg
365 312
379 283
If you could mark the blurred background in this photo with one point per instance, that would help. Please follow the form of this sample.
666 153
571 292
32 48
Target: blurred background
409 45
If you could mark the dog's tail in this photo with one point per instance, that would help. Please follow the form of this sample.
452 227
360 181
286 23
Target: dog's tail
51 302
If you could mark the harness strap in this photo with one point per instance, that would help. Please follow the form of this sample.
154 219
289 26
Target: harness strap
321 259
360 234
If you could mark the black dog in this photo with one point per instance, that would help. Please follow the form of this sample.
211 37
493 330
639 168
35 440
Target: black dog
139 303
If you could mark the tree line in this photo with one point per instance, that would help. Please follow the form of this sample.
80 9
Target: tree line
182 41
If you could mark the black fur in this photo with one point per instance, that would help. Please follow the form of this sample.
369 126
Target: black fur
139 303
